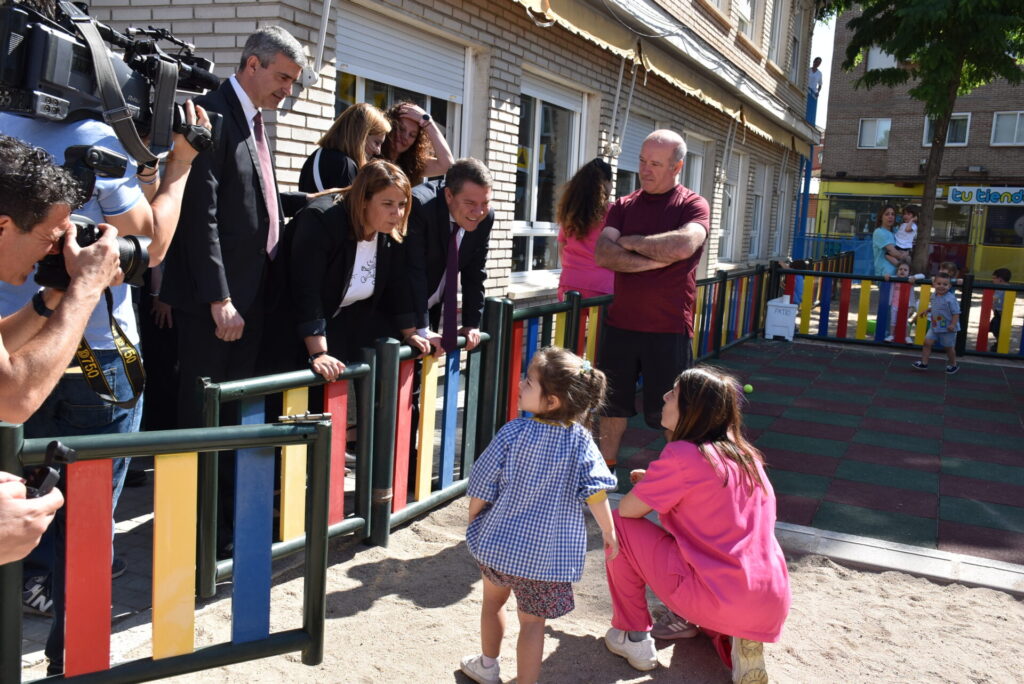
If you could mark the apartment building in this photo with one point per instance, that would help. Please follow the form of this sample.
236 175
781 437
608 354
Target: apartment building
878 144
537 88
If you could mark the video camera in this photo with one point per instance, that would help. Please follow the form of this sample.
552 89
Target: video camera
62 71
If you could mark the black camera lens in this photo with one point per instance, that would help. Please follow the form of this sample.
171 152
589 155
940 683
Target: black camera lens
132 250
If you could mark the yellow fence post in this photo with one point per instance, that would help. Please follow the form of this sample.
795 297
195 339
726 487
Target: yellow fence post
174 553
293 470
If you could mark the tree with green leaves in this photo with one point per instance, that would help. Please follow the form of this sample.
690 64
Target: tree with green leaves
943 49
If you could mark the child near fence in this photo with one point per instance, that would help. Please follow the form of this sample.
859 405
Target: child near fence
944 314
527 491
1001 276
895 292
906 234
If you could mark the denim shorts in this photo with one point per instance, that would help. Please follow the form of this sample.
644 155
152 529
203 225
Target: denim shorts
947 339
546 600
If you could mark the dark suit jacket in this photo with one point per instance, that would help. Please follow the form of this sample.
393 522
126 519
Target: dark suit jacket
322 256
219 249
429 232
337 170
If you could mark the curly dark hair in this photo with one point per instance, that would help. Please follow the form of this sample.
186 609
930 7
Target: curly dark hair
30 183
414 160
584 198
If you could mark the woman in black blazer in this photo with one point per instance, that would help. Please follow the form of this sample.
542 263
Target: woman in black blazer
353 139
348 274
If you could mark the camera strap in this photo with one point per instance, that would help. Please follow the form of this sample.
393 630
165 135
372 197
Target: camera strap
130 359
116 112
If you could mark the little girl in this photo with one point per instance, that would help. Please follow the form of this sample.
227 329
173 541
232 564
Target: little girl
526 528
715 560
902 271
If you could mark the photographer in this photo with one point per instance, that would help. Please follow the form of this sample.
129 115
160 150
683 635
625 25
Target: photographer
38 341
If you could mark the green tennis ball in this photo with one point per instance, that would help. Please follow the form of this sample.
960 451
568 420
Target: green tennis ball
748 388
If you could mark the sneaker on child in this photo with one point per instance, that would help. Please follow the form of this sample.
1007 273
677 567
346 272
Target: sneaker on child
950 370
474 668
640 654
671 626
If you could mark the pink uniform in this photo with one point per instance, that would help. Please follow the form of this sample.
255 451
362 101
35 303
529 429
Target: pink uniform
579 271
715 561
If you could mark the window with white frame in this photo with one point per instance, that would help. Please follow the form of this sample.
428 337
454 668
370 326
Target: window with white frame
782 214
796 57
874 134
956 134
693 168
549 144
626 174
1008 128
746 11
879 59
777 32
759 206
733 191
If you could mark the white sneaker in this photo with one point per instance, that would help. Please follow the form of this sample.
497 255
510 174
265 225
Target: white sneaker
640 654
748 662
474 668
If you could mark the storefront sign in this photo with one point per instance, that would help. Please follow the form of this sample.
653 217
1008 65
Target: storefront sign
1004 197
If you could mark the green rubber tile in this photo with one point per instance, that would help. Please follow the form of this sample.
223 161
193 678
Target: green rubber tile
818 416
967 393
832 395
984 439
905 415
805 445
779 379
996 414
935 392
981 470
921 445
981 513
798 484
770 397
865 378
918 379
739 366
757 421
867 522
795 365
888 476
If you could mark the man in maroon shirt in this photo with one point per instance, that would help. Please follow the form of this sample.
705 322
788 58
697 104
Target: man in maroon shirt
653 240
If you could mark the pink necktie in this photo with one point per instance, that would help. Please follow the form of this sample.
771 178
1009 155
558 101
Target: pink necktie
269 190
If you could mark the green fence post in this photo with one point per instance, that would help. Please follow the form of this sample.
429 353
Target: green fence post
384 444
721 277
318 475
490 383
11 438
965 314
572 320
208 394
365 436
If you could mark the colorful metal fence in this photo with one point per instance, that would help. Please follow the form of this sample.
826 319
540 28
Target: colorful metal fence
88 589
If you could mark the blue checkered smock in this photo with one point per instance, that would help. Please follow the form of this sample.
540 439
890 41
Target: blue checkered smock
537 477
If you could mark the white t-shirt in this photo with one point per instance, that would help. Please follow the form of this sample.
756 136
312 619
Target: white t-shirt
364 274
814 82
906 234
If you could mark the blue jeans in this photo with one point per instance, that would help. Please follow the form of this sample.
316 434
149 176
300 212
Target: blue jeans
74 409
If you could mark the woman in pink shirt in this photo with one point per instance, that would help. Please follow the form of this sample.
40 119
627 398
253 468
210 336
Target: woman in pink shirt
580 213
714 561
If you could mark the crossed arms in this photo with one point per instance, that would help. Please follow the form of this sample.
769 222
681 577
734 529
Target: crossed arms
636 253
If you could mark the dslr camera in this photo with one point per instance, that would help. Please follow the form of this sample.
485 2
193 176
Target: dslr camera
133 251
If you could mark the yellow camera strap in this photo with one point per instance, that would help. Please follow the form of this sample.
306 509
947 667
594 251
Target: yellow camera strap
130 359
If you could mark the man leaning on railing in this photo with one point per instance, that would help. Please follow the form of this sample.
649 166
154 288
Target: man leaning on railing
38 341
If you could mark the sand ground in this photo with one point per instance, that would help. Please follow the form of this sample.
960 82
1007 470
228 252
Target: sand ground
409 612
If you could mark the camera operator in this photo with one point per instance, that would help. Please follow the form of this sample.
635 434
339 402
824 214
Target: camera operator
38 341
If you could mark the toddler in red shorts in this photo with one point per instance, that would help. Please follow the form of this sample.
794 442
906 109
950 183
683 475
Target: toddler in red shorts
527 492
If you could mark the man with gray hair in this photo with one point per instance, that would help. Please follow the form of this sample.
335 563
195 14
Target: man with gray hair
653 240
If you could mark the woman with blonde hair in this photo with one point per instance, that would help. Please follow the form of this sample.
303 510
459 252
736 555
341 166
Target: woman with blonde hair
347 266
416 143
353 139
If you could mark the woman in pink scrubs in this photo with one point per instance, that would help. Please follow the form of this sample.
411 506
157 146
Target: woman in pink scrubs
714 561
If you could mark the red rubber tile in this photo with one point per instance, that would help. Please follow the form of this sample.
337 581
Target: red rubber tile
972 452
997 387
810 429
954 399
843 388
870 453
914 402
796 510
836 406
981 490
881 498
779 388
809 373
992 426
889 425
986 542
802 463
765 409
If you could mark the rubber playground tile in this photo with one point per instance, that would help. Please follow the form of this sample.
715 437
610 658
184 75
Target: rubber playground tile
870 453
974 453
901 415
986 439
763 408
821 416
987 372
897 441
834 405
954 399
760 385
757 421
798 484
981 490
796 462
998 413
992 387
809 429
994 427
826 389
888 476
752 434
641 458
907 402
883 498
786 365
634 437
859 378
797 510
979 470
981 541
778 379
897 527
802 444
955 390
909 429
902 386
982 514
764 397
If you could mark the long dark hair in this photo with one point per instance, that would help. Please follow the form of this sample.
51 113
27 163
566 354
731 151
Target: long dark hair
881 213
584 198
414 160
709 415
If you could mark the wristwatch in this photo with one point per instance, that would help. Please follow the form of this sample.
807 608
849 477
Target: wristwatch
424 120
314 357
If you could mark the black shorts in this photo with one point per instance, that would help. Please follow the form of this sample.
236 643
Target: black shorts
658 357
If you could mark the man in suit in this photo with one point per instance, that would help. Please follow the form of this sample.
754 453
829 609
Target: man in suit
455 212
221 275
